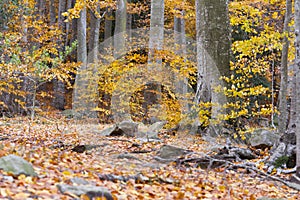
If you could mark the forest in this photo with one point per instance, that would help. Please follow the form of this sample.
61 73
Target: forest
150 99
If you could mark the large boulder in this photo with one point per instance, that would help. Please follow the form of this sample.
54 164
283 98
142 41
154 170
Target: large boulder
16 165
150 134
127 128
170 152
156 127
92 192
263 138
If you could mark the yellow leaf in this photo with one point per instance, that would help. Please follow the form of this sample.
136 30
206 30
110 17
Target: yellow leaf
67 173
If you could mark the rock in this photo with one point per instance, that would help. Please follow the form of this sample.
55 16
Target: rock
243 153
87 190
145 140
263 138
108 131
16 165
169 152
128 127
127 156
289 138
267 198
156 127
150 133
68 113
83 148
79 181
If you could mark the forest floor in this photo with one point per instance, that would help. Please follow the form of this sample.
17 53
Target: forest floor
48 142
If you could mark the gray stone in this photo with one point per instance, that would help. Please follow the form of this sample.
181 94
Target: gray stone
90 191
263 138
169 152
16 165
108 131
79 181
267 198
146 140
156 127
128 127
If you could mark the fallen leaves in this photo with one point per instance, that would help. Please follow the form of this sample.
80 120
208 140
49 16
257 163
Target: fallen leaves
159 181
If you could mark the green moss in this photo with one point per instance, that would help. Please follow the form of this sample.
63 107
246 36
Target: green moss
281 161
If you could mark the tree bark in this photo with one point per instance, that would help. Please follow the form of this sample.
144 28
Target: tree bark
156 29
80 107
213 52
108 24
94 37
152 92
52 12
297 61
67 39
283 117
59 89
180 50
120 29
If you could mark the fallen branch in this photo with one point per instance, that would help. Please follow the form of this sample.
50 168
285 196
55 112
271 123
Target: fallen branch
138 178
210 162
250 167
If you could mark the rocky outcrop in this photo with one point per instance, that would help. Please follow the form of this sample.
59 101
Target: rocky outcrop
263 138
16 165
91 192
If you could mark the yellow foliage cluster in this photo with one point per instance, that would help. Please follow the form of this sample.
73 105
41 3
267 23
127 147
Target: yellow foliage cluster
256 58
136 65
30 50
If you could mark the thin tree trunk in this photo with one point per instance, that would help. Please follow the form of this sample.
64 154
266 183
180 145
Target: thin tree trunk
152 92
156 29
129 24
180 49
108 24
69 4
297 61
52 12
120 28
94 37
80 106
283 117
59 89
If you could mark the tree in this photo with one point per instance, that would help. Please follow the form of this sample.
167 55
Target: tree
94 36
180 49
213 51
283 117
108 23
81 77
59 89
297 61
156 36
120 28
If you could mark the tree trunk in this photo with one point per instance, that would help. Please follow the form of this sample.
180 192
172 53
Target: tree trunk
283 117
108 24
59 90
297 61
152 92
94 37
120 29
52 12
129 24
180 49
213 52
67 39
79 105
156 29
